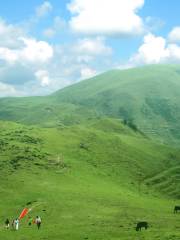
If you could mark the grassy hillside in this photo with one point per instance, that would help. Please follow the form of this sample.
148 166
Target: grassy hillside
105 144
147 96
90 160
91 182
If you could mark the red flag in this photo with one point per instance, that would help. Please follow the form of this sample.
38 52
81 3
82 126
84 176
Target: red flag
23 213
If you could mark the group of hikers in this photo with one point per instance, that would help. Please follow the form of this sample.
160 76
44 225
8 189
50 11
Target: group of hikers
15 222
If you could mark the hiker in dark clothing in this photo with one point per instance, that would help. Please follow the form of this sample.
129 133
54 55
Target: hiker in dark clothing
7 222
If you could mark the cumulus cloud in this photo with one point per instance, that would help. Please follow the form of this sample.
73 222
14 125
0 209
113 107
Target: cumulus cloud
43 77
153 50
31 50
88 73
21 57
33 67
83 58
9 34
106 17
156 50
174 35
36 50
8 55
7 90
92 46
174 53
44 9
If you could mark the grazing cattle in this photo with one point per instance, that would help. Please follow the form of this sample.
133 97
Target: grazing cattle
141 225
176 209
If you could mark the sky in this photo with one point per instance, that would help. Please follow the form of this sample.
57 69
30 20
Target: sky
47 45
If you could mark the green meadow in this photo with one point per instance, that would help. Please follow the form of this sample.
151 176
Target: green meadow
94 159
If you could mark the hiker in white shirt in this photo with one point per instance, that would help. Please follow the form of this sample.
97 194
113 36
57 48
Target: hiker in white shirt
38 222
16 223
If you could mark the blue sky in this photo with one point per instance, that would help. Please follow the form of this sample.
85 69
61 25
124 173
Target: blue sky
46 45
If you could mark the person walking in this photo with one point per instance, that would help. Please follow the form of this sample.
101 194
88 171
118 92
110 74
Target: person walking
38 222
7 222
16 223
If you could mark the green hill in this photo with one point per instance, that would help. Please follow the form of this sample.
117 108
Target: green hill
90 160
91 182
148 97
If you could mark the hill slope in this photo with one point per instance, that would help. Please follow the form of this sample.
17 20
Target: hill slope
91 182
80 158
147 97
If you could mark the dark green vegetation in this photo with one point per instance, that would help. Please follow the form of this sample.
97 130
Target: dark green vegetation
90 160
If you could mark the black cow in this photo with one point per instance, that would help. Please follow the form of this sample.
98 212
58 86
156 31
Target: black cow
176 209
141 225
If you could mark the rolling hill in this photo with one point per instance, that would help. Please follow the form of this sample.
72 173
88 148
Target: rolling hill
90 160
147 96
87 182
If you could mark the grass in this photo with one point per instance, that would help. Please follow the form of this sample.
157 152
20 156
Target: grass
90 159
95 191
85 207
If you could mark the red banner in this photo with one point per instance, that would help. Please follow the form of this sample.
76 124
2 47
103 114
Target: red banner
23 213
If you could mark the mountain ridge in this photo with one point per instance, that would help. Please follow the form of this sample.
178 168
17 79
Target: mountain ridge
146 96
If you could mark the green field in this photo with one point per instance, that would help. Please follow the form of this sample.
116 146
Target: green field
93 159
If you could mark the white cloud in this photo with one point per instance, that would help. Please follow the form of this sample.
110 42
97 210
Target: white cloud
87 73
36 67
174 52
43 77
77 60
153 50
7 90
90 46
35 51
174 35
125 66
21 57
16 46
44 9
31 50
29 66
8 55
156 50
106 17
9 34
